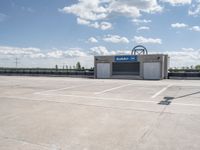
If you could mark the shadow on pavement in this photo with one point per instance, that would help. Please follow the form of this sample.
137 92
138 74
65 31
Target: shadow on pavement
168 100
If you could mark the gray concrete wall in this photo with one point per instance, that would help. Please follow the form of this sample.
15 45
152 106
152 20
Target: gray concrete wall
163 59
166 66
151 58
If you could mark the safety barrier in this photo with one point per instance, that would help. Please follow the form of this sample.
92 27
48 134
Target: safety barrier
184 75
88 73
46 72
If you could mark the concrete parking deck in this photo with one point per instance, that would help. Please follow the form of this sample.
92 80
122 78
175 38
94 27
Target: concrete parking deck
46 113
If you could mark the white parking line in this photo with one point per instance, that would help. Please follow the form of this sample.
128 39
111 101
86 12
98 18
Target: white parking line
99 98
83 104
111 89
161 91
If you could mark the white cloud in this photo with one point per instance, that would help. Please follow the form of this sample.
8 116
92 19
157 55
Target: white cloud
194 9
94 25
89 11
124 9
188 49
37 55
22 52
102 25
178 58
182 25
179 25
178 2
134 8
195 28
184 57
66 54
93 40
75 53
83 21
31 52
122 52
140 21
143 40
55 54
143 28
99 50
105 25
115 39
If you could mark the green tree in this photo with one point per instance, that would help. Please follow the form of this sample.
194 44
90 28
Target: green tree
197 67
78 66
56 66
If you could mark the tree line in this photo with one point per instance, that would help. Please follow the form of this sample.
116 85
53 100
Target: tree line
185 69
78 66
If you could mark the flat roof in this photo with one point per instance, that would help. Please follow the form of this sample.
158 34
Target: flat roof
130 55
74 113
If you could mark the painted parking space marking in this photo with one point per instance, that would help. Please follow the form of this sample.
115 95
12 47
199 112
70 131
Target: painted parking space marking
112 89
161 91
97 98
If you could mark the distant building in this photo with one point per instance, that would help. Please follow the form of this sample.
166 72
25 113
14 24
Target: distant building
142 66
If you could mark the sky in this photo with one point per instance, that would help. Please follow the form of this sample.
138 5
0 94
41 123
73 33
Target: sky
43 33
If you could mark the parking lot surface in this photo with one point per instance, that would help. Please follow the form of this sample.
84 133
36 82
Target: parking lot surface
58 113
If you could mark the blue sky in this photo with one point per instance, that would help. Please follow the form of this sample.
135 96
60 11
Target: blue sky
42 33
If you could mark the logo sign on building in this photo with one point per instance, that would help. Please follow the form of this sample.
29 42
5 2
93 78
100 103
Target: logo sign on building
125 58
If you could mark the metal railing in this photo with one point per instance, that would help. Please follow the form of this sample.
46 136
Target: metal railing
88 73
184 74
46 71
